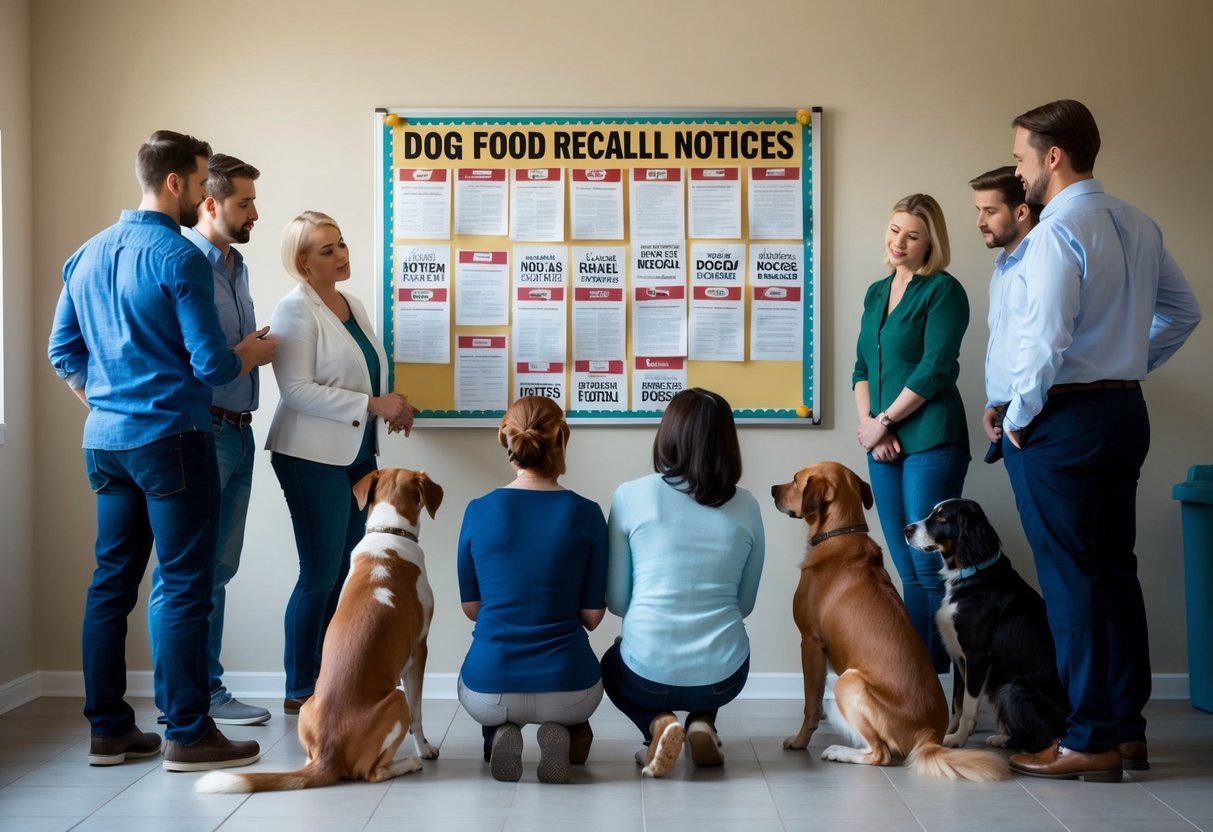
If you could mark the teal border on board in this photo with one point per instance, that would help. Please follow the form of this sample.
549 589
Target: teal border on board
772 415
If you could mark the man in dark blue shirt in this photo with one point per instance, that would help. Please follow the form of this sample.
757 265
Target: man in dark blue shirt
136 336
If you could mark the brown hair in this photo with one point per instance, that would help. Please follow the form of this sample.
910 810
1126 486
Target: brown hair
167 152
696 448
222 169
1005 181
1067 124
534 435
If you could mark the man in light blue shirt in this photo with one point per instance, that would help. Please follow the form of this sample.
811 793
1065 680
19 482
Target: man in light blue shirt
226 217
1004 219
1096 304
137 338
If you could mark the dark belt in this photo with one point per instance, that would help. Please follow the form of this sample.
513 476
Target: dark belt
1105 384
236 417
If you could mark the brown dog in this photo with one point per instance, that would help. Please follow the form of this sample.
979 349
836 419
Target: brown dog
357 718
888 699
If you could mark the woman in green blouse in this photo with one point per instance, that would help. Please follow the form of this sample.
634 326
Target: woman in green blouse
911 418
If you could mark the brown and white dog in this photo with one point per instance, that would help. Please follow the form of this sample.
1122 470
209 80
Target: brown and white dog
887 700
358 717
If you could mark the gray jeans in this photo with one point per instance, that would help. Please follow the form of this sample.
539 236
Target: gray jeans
568 707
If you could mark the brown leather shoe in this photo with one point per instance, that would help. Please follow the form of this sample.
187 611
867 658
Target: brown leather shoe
291 707
1133 756
212 751
1060 763
110 751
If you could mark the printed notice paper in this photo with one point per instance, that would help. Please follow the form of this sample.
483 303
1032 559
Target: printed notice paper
423 204
482 288
599 313
776 312
599 385
537 205
423 308
480 202
657 380
481 372
596 204
659 304
540 332
776 204
717 307
714 203
656 197
539 379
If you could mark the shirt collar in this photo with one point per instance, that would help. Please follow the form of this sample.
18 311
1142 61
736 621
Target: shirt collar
1082 187
212 252
151 217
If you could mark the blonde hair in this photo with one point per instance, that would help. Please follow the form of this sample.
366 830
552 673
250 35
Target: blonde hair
297 240
925 208
534 434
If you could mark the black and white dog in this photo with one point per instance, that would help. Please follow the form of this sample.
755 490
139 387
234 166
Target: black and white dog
993 624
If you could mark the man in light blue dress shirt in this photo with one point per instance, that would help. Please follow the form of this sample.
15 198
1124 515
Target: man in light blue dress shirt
1096 304
226 217
1004 219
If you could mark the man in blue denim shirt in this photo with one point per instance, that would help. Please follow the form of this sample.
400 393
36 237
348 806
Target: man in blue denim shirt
225 217
137 338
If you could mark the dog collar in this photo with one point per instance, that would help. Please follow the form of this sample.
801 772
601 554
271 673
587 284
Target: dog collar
392 530
817 538
970 571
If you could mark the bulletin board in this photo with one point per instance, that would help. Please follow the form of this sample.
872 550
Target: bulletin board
466 200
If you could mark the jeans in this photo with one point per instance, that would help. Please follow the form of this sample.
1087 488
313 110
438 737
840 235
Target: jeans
642 700
491 710
166 491
327 525
234 450
1075 484
906 490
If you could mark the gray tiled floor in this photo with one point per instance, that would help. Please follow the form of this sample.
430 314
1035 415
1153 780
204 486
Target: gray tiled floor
45 784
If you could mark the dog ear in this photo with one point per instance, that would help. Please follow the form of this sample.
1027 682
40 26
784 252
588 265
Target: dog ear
430 491
975 534
364 488
865 494
817 492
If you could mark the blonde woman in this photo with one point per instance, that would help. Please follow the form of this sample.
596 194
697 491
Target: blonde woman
332 378
532 575
911 418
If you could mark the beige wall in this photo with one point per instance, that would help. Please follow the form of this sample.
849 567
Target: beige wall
913 100
21 362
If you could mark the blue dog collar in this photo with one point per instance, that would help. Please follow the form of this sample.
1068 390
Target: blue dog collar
970 571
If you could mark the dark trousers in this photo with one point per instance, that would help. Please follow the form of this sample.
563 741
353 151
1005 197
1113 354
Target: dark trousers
166 491
642 700
1075 484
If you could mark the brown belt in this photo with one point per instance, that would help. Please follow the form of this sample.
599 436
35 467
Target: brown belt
1105 384
236 417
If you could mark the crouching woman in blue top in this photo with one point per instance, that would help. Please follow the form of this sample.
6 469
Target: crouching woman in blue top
532 575
687 548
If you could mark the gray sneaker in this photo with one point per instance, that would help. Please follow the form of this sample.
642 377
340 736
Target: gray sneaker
235 712
212 751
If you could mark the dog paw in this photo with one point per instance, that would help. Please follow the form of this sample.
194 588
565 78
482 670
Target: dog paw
955 740
796 743
428 752
997 740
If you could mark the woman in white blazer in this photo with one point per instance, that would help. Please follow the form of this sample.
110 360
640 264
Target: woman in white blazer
332 379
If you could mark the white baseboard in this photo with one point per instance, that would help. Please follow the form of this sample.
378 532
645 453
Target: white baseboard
437 686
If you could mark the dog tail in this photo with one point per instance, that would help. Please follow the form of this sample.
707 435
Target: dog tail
310 776
933 760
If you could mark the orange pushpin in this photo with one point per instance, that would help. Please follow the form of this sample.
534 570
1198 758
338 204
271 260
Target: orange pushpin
393 120
804 117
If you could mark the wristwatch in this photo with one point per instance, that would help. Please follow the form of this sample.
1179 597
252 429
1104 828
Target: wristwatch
884 419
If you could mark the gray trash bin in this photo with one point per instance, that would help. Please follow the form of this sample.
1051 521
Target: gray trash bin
1196 508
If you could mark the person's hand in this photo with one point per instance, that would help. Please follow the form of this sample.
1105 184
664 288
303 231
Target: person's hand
395 410
405 423
256 349
991 424
1014 436
887 449
870 432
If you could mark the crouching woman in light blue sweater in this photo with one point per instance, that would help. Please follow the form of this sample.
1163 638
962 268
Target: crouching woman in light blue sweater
686 553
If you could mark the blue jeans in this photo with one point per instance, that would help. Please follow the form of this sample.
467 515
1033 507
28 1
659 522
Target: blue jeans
642 700
234 450
166 491
1075 483
906 490
327 525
